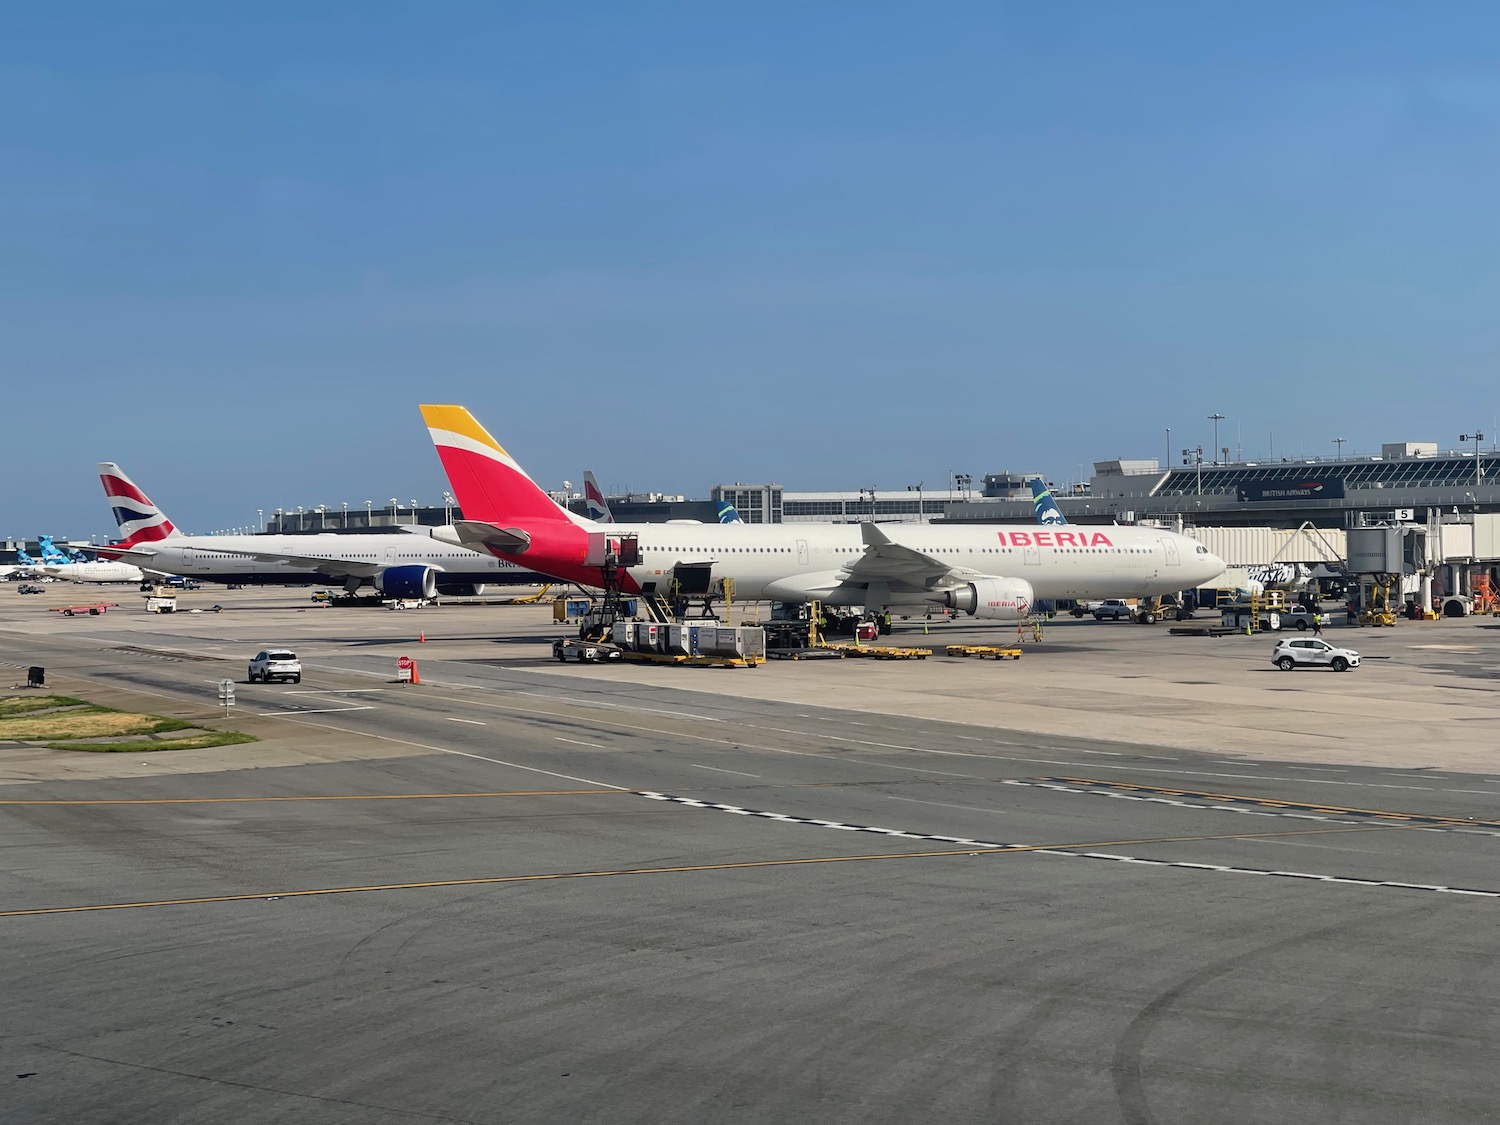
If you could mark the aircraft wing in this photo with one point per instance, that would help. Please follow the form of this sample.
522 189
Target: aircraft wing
898 567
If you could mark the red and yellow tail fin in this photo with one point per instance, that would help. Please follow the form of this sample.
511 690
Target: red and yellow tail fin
486 480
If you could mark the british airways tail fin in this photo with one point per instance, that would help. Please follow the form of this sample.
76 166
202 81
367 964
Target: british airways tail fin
490 486
728 513
140 520
1047 511
593 499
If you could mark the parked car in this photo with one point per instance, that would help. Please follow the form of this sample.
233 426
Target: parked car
275 664
1113 609
1290 653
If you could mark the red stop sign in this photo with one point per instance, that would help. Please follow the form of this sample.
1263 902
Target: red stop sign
403 663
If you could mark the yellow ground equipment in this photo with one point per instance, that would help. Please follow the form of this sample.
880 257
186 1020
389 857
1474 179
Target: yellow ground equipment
1376 608
992 651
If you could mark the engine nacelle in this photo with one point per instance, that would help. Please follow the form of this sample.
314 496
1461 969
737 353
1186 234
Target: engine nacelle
993 599
407 582
461 589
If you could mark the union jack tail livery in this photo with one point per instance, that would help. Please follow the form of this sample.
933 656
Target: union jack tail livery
593 500
140 520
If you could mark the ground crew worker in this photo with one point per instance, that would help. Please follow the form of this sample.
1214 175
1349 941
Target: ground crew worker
1317 620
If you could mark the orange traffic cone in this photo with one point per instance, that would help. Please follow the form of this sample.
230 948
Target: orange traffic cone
415 676
422 637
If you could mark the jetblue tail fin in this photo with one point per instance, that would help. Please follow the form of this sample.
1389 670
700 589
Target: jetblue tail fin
1047 511
593 500
491 487
50 553
140 520
728 513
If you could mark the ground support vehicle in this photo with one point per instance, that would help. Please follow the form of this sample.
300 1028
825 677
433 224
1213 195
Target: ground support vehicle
584 651
1312 652
28 588
994 652
93 610
880 652
1204 631
1112 609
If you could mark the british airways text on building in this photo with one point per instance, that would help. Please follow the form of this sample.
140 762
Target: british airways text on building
1053 539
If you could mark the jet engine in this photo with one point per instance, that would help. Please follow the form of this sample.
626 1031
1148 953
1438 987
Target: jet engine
461 589
407 582
992 599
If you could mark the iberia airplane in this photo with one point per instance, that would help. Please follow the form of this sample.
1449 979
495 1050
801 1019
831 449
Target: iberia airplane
989 571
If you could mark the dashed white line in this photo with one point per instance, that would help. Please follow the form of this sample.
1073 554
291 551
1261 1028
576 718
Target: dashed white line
578 742
471 722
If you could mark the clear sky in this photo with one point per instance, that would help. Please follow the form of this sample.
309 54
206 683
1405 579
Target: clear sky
831 245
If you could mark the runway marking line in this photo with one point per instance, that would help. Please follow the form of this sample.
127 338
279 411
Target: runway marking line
1096 785
1070 850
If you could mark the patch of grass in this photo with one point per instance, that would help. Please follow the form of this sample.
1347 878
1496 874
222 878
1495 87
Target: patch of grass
191 742
85 723
22 704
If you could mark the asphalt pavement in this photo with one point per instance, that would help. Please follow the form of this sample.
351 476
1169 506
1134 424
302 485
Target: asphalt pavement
526 893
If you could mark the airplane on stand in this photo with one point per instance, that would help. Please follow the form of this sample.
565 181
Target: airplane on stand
991 572
399 564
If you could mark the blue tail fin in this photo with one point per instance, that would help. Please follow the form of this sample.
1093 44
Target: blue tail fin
1047 511
50 553
727 513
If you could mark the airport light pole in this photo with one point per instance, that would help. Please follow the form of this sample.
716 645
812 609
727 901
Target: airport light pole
448 503
393 509
413 511
1216 418
322 517
917 488
1169 445
368 517
1196 453
1476 437
345 505
260 519
1338 444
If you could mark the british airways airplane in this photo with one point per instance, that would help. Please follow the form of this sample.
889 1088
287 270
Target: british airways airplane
398 565
994 572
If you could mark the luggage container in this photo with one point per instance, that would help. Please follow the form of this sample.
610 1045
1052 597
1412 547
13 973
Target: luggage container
680 640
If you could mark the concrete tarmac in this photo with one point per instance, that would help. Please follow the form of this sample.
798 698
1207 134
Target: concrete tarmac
823 892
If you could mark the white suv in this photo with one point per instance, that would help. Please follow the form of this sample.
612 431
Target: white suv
275 664
1290 653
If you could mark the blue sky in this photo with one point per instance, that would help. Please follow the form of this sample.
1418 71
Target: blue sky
829 245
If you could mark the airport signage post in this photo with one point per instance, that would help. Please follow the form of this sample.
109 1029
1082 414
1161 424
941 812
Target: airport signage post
403 669
226 694
1307 488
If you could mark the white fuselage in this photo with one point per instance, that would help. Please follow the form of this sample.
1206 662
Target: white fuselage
94 571
781 561
233 558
